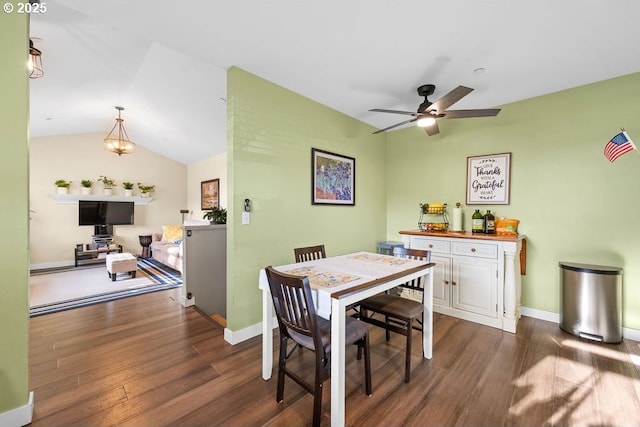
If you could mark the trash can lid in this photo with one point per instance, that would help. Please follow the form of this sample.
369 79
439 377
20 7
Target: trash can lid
588 268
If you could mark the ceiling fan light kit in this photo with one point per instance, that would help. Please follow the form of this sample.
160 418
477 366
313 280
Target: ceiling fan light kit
118 141
423 122
429 113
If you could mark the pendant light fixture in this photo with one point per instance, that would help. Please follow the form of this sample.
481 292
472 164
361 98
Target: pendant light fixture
35 62
118 141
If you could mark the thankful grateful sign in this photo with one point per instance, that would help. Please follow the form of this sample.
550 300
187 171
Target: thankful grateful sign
488 179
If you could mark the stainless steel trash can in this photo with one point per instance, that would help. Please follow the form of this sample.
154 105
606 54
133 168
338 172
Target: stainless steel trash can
591 301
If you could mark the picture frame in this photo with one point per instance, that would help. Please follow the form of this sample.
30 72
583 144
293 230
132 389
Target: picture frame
210 194
488 179
80 247
333 178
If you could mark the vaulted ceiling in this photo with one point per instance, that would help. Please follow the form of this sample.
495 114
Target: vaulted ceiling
166 62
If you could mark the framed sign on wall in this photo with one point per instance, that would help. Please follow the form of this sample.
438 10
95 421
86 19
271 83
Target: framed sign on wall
488 179
333 179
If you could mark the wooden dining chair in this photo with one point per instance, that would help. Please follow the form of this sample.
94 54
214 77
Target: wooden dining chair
400 313
309 253
298 322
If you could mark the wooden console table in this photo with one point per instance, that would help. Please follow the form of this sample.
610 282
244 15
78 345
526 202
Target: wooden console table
94 256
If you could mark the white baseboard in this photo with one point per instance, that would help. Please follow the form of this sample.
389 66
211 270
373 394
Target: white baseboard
631 334
236 337
18 417
539 314
186 302
627 333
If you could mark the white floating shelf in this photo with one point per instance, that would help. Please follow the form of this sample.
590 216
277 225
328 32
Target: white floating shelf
73 198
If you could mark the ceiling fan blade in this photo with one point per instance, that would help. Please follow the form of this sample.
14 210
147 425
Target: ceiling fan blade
432 130
396 125
381 110
461 114
449 99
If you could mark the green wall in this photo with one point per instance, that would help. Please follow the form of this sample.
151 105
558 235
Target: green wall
572 203
14 258
270 135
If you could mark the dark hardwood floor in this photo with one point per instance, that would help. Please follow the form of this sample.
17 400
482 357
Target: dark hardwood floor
147 361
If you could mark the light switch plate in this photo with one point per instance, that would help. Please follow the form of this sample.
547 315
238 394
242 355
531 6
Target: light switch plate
246 218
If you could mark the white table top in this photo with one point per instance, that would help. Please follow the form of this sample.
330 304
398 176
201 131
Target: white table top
340 273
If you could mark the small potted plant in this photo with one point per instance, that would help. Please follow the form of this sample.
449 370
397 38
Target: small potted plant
63 186
128 188
216 215
108 184
146 189
86 186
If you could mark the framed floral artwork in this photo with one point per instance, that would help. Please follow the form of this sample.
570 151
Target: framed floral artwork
333 179
210 194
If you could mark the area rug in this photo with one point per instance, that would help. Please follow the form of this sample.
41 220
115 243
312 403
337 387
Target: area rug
65 290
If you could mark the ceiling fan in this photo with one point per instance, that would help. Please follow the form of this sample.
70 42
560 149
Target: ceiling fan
429 112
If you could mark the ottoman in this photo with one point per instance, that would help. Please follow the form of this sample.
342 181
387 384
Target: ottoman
121 263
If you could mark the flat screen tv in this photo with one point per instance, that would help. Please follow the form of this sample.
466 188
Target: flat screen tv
100 212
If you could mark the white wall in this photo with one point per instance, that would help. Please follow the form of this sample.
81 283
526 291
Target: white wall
204 170
54 227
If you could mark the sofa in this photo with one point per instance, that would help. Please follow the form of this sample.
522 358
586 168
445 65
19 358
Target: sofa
166 247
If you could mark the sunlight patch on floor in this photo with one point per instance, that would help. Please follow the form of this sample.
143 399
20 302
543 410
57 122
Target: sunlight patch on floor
569 391
600 350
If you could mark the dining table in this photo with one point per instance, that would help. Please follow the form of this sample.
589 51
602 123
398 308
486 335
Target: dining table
337 282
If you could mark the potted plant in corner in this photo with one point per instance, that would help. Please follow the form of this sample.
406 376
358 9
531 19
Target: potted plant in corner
86 186
63 186
128 188
146 189
108 184
216 215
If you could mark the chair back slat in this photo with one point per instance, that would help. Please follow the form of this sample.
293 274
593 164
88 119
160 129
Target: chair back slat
309 253
293 303
416 254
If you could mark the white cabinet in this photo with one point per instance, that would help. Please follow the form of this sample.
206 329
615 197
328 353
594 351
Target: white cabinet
474 286
441 280
474 279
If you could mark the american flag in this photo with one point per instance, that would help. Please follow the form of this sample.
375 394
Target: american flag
619 145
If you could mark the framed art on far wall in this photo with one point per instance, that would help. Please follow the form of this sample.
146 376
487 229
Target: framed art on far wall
210 194
488 179
333 179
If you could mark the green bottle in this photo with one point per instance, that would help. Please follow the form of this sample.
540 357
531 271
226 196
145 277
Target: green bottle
489 223
477 222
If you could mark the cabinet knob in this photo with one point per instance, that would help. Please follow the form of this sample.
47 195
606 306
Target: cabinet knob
430 245
446 282
473 249
453 283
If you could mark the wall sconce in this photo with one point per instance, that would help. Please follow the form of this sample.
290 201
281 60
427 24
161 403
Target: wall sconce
35 62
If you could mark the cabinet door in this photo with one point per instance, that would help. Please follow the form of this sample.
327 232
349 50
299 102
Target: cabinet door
441 280
475 285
